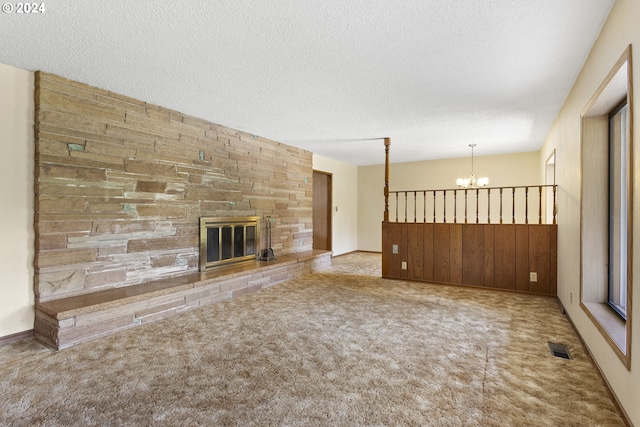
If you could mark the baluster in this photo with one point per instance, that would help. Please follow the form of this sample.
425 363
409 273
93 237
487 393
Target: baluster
455 207
397 203
434 207
540 205
554 204
500 205
415 206
526 205
488 206
444 209
405 205
465 205
387 144
477 205
424 209
513 204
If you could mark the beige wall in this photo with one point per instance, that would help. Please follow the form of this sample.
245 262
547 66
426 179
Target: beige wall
502 170
620 30
345 198
16 187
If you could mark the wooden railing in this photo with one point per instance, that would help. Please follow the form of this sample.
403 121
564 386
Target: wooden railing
440 236
533 204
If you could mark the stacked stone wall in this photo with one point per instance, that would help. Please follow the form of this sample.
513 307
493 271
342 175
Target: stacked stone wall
121 185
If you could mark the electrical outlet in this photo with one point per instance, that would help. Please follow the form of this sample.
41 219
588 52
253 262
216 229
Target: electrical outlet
533 276
394 249
404 265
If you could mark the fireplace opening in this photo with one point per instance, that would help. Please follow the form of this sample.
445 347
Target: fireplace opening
228 240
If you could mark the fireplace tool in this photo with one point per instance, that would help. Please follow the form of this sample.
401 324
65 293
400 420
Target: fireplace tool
267 254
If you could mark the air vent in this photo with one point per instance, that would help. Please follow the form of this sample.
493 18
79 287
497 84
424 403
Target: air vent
559 350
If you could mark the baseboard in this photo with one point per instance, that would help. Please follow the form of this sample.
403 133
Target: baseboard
355 252
612 395
19 336
456 285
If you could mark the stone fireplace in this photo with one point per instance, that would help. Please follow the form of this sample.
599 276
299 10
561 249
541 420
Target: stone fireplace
225 241
120 188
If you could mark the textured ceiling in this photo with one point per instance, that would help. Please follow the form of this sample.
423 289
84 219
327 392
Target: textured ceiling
330 75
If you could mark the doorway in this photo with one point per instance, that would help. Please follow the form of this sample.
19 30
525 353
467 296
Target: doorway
322 210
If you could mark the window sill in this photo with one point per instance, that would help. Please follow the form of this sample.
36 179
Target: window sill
609 323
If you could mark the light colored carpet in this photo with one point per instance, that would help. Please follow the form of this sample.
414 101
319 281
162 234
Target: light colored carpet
342 347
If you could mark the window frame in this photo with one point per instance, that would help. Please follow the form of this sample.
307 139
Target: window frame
594 208
619 230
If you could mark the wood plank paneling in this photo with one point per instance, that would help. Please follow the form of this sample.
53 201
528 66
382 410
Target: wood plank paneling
395 237
403 251
428 252
539 259
415 252
553 260
473 254
387 233
441 249
505 256
489 255
522 257
455 254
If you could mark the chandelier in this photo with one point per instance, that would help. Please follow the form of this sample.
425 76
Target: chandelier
472 181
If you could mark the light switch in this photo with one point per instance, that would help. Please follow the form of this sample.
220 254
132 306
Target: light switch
395 249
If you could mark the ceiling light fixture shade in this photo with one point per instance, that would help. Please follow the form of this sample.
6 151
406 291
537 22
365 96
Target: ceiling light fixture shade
472 181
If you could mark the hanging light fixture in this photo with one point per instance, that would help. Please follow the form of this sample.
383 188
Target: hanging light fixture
472 182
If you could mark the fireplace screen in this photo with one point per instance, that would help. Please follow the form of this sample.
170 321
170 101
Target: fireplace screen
228 240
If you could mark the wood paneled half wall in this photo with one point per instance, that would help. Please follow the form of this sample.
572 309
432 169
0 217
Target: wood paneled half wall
518 257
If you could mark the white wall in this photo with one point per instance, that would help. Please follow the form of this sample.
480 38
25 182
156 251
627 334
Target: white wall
620 30
345 198
16 186
502 170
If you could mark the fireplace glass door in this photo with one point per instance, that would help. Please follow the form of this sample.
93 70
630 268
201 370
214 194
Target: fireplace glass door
227 240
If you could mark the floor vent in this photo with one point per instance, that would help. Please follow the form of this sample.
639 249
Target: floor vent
559 350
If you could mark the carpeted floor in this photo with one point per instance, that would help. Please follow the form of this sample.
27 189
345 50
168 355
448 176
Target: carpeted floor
341 348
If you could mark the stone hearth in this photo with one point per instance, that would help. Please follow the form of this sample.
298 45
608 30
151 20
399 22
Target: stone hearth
69 321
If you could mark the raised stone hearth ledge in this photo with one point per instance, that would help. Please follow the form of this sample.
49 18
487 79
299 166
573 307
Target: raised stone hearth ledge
69 321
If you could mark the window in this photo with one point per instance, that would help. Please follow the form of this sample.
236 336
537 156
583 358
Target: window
606 154
619 168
